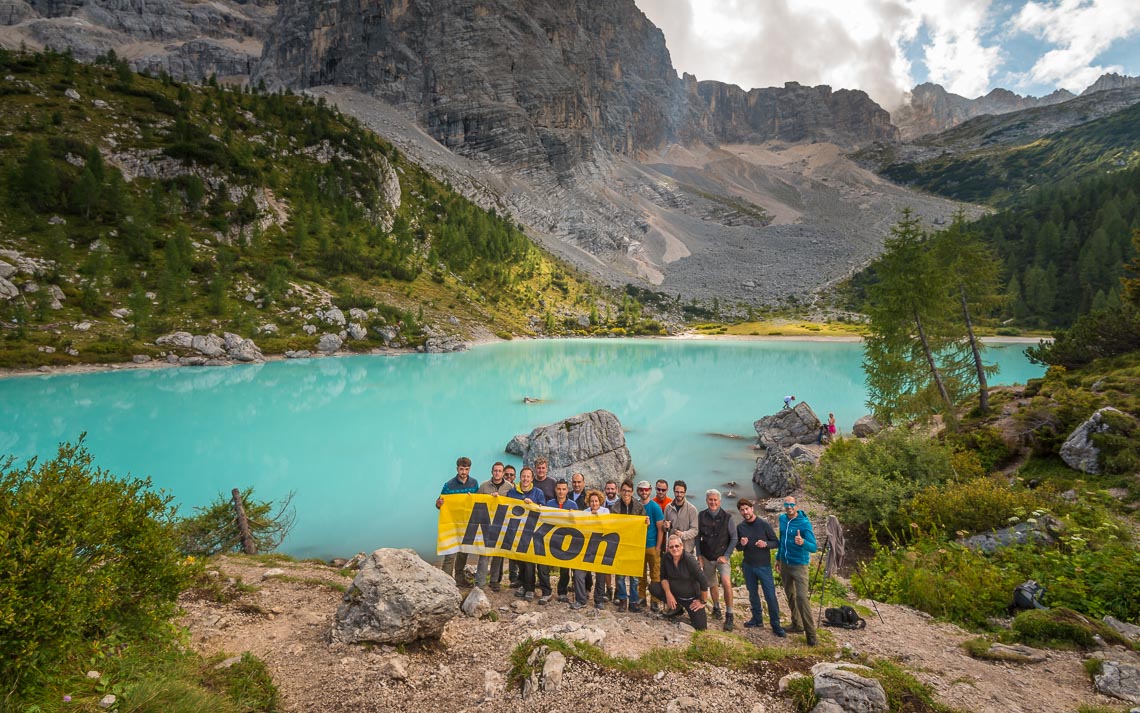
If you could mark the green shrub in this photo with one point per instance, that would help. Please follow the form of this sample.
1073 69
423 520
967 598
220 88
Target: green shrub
1060 628
802 692
247 682
214 528
866 481
1120 444
985 443
85 556
975 506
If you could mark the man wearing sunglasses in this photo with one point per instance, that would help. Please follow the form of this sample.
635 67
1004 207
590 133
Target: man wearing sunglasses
662 498
653 535
797 542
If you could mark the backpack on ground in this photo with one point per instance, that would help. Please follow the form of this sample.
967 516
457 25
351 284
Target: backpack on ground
1027 595
844 617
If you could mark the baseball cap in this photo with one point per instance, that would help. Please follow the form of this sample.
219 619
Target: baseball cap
643 484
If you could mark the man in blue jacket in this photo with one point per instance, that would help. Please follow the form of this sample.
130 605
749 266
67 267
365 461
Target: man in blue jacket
456 564
797 542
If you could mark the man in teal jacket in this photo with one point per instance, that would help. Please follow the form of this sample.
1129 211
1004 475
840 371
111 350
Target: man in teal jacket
797 542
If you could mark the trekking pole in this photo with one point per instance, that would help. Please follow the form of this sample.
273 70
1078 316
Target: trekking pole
863 583
818 569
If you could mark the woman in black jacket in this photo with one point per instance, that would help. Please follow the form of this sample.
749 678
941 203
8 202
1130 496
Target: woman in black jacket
683 585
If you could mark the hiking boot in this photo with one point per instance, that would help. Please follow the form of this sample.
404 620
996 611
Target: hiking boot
621 604
794 630
496 587
751 624
529 596
600 606
520 593
563 598
576 605
515 584
673 613
654 607
812 641
634 609
544 599
728 621
778 632
717 613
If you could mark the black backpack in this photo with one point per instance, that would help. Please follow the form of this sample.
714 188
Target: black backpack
1027 595
844 617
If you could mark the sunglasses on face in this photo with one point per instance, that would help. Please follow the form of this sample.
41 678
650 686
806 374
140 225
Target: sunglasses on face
789 505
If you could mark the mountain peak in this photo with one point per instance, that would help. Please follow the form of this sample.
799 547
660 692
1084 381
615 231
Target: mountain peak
1111 80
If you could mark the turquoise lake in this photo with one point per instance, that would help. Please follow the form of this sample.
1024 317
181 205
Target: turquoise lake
366 442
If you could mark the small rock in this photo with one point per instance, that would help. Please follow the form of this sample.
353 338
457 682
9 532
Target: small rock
395 668
685 704
272 572
476 604
492 684
552 670
309 329
107 701
140 358
73 95
82 327
228 662
93 675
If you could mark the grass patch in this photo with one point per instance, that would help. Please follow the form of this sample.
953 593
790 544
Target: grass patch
1060 628
979 648
338 586
802 692
1093 667
905 693
796 329
247 683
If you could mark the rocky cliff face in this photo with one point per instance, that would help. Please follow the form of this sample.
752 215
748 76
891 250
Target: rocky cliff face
189 40
538 84
932 109
793 113
530 84
1111 81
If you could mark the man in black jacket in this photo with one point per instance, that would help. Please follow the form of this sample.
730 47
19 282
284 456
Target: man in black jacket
757 539
716 541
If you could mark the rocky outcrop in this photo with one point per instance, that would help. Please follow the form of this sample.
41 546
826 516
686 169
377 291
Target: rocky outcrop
788 426
793 113
840 687
932 109
396 598
216 350
188 40
1119 680
775 474
592 444
865 426
1078 451
1043 530
1109 81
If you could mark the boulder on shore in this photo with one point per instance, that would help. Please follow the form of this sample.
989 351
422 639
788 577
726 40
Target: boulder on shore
775 475
396 598
866 426
592 444
788 427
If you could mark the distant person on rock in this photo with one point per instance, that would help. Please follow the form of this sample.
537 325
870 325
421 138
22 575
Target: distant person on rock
681 518
788 401
662 498
653 535
683 586
496 486
594 507
627 594
797 542
831 427
716 538
756 538
531 495
456 564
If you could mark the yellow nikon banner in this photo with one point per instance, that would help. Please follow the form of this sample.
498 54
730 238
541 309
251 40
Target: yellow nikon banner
505 527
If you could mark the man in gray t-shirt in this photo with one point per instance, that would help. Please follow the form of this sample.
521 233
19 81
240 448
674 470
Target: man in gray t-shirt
497 485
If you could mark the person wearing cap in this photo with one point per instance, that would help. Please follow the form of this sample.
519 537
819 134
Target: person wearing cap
756 539
797 542
653 535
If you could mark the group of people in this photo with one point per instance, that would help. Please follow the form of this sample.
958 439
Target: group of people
687 553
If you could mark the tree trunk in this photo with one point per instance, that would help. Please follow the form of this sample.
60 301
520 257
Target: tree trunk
933 367
247 544
983 388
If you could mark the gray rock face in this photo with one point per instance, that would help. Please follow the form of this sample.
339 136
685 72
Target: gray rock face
865 426
1119 680
442 345
1043 531
188 40
6 270
517 445
1128 631
396 598
841 685
788 426
775 474
183 340
210 345
802 454
476 604
933 109
1018 652
592 444
8 291
329 343
1078 451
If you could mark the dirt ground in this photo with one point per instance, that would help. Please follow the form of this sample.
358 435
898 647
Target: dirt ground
286 621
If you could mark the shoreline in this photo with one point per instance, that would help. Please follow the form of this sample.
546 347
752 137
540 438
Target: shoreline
476 342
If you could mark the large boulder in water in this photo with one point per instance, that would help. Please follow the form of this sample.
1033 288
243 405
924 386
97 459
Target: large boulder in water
396 598
592 444
1078 451
775 474
788 426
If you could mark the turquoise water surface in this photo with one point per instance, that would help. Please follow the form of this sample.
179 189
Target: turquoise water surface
367 441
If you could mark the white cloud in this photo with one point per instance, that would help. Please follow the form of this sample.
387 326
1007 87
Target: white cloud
1080 30
956 56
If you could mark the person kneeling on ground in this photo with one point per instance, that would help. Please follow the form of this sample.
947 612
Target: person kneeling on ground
683 585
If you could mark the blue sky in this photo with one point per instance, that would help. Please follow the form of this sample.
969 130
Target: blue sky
885 47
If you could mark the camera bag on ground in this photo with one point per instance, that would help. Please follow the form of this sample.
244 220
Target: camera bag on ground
844 617
1027 595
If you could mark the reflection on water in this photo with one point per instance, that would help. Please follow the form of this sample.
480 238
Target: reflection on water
366 442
